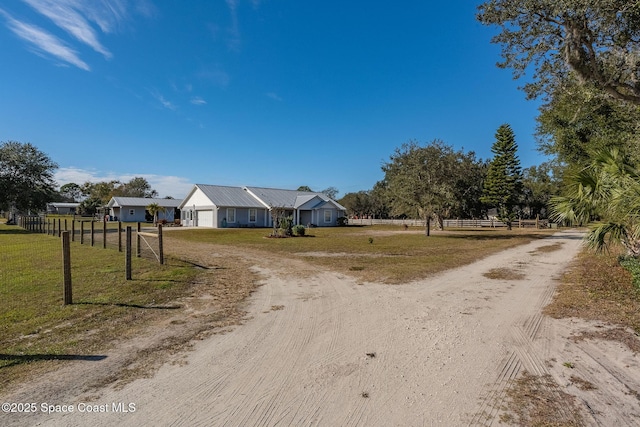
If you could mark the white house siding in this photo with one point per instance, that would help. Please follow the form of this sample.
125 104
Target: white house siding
198 198
198 211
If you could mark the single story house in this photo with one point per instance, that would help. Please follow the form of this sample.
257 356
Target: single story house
220 206
60 208
134 209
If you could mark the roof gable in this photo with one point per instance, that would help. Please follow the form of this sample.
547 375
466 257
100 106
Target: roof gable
275 197
310 200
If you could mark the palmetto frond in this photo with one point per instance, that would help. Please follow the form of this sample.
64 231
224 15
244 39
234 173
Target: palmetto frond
608 190
602 236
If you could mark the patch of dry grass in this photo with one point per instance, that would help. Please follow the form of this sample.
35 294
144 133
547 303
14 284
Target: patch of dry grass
549 248
535 400
581 383
370 253
597 288
504 274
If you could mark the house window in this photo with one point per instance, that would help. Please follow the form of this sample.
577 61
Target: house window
132 212
231 215
253 214
328 215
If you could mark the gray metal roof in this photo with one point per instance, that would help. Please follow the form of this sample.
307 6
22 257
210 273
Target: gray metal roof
64 204
281 198
291 199
258 197
229 196
304 198
143 201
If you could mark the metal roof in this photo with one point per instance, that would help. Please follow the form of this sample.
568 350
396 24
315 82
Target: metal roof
305 198
275 197
64 204
258 197
229 196
142 201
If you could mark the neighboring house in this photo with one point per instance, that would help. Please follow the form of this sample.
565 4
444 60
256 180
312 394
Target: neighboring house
134 209
59 208
222 206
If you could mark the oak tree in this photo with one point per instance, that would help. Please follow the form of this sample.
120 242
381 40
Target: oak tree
424 181
26 177
596 40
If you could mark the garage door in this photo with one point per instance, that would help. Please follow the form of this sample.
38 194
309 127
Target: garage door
204 218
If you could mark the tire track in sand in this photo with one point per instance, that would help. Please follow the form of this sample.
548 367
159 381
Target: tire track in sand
525 354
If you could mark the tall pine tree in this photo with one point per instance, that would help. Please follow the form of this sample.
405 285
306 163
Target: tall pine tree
503 183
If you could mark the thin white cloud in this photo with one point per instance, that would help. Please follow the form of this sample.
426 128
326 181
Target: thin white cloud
164 102
45 42
79 176
196 100
83 20
146 8
273 96
108 14
216 76
73 17
233 41
166 185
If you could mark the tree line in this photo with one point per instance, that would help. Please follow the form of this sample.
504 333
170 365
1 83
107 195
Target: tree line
434 181
93 195
27 183
582 57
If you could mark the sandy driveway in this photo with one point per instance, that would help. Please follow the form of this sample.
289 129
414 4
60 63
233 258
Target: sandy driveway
328 351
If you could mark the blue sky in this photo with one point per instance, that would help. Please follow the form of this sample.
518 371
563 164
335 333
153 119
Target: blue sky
250 92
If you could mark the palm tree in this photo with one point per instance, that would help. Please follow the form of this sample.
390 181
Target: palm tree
154 209
607 191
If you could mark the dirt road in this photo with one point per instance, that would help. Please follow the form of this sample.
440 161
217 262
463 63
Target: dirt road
325 350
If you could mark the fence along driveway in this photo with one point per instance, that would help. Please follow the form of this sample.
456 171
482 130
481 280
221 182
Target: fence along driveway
454 223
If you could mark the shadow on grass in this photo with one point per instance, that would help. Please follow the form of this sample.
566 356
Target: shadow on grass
118 304
13 230
18 359
193 264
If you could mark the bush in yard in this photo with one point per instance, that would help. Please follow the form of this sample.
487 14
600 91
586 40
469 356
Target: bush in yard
299 230
342 221
632 265
285 226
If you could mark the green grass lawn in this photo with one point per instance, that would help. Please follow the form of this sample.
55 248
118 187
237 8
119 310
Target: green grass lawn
34 323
